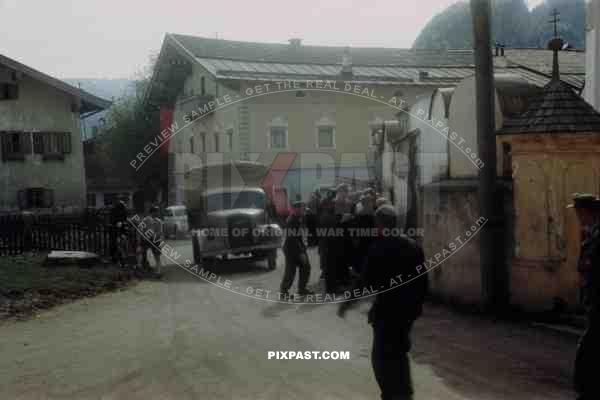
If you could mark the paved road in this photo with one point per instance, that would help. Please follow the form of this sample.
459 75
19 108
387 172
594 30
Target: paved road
185 339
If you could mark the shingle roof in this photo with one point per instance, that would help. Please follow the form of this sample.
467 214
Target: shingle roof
557 110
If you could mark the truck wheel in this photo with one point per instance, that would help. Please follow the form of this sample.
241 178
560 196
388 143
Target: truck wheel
196 249
208 264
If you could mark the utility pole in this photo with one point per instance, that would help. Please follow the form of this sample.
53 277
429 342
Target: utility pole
493 279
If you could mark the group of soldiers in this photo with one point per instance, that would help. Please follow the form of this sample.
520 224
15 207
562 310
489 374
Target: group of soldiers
371 259
342 228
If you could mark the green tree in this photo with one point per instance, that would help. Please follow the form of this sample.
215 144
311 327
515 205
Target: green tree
130 125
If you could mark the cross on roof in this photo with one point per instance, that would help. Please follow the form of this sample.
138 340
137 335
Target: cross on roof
555 20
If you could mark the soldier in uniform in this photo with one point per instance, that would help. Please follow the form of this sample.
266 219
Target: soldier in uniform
336 241
295 258
395 308
588 350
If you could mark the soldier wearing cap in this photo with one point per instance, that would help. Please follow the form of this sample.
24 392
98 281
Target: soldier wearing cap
391 259
588 351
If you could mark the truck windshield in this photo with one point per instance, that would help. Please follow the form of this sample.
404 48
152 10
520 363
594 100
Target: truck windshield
235 200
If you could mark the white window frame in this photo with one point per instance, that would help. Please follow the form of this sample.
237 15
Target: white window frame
278 122
325 122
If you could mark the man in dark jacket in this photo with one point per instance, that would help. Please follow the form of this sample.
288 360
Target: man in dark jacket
588 351
393 268
295 258
364 223
335 241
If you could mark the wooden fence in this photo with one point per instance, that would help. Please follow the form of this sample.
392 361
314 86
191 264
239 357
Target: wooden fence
83 231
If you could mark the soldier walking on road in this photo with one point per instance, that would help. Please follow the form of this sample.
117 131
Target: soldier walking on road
588 350
395 309
295 258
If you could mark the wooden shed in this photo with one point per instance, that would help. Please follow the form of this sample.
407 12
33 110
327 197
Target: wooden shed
552 151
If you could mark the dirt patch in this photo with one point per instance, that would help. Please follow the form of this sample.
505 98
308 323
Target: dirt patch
28 286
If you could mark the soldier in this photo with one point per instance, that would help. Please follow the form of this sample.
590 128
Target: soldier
313 211
395 309
588 350
364 222
336 241
295 257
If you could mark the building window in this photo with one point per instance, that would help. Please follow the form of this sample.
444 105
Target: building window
217 146
14 145
229 137
52 145
277 134
91 199
326 137
192 145
110 199
202 86
278 137
9 91
325 133
35 198
203 136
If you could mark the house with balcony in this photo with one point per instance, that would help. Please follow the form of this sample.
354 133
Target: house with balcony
41 154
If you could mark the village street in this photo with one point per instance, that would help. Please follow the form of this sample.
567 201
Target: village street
182 338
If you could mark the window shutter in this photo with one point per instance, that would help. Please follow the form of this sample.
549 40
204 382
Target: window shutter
67 139
38 143
26 144
5 142
60 142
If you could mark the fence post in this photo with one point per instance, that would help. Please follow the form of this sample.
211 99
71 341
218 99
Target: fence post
27 232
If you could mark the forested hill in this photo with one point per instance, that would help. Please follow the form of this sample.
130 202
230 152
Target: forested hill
513 25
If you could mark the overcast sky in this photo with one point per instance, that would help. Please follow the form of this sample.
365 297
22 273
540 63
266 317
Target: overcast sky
115 38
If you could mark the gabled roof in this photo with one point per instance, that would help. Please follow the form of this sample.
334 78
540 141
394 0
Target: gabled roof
237 60
89 102
305 54
557 110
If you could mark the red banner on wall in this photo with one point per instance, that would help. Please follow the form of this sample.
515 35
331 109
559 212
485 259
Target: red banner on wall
166 127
